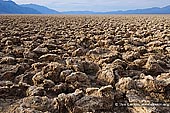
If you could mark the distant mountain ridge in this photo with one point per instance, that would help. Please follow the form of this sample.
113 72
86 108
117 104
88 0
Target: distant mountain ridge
153 10
41 9
10 7
80 12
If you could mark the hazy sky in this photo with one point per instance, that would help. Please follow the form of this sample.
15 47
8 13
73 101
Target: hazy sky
96 5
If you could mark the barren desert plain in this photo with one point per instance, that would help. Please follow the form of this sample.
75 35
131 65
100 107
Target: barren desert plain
84 63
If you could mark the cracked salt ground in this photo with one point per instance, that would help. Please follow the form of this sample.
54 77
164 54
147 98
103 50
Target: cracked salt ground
82 64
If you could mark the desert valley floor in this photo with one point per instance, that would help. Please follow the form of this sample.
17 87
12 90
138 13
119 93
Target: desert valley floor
85 63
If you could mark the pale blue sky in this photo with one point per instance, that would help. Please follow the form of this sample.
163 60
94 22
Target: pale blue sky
96 5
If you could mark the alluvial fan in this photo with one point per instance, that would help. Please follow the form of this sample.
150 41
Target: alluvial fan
85 63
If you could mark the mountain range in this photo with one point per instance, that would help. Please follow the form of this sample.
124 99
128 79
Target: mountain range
41 9
10 7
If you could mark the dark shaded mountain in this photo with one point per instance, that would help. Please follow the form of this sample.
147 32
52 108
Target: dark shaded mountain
41 9
154 10
10 7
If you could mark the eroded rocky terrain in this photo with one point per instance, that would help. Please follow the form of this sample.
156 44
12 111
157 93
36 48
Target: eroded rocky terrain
85 64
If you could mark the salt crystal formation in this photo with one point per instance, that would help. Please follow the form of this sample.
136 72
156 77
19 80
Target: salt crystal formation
85 64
